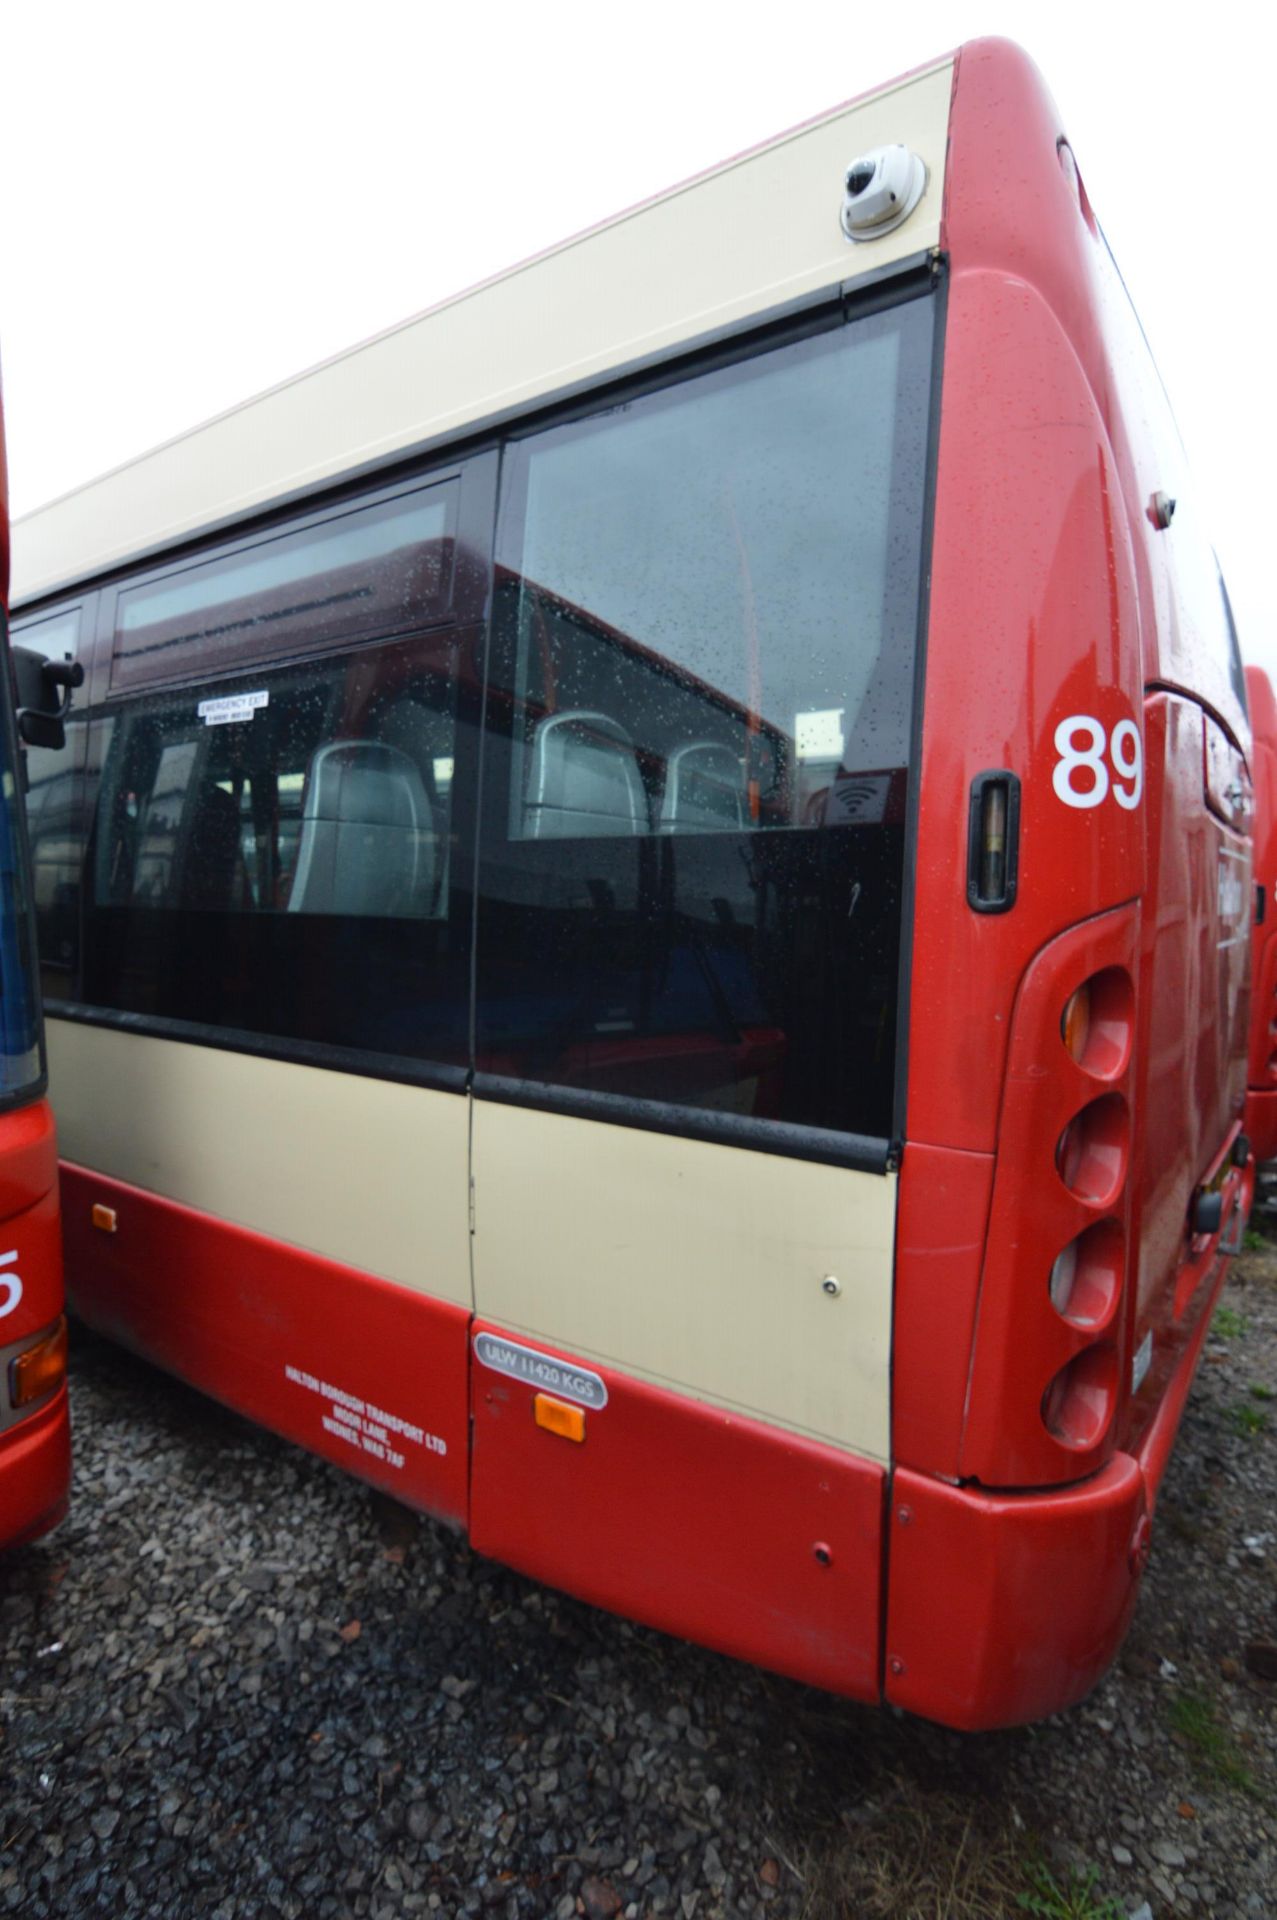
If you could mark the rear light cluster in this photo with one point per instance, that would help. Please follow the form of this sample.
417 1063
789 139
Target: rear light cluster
1092 1158
1048 1353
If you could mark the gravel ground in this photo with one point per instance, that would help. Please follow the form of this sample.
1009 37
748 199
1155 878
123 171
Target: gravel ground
237 1683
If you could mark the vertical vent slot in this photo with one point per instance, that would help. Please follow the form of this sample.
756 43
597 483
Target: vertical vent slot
993 841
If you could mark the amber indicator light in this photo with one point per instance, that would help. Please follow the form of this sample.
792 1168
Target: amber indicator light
557 1416
1075 1026
104 1219
39 1370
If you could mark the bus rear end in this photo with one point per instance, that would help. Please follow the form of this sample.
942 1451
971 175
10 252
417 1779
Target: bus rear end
35 1443
1075 1174
756 1137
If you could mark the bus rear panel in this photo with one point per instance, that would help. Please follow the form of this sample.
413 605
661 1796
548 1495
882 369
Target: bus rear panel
657 866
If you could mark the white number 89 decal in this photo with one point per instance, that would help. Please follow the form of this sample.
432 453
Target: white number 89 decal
1081 743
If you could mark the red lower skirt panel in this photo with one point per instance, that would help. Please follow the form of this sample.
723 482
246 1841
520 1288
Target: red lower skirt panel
715 1528
35 1473
369 1374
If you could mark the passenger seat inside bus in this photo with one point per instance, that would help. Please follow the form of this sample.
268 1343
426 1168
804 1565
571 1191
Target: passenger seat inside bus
367 841
704 788
584 780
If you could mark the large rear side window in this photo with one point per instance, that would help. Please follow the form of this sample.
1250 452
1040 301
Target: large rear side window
699 715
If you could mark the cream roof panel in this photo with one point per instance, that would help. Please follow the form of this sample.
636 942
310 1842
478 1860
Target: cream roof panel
754 235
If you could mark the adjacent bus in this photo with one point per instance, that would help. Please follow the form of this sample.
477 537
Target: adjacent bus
35 1432
1261 1093
646 922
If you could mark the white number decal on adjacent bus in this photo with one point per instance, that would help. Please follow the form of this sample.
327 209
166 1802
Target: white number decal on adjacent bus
1081 743
10 1285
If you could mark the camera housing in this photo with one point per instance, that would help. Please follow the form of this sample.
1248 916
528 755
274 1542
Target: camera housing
880 190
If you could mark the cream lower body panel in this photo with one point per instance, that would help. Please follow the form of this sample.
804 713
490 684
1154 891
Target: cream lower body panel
698 1267
371 1173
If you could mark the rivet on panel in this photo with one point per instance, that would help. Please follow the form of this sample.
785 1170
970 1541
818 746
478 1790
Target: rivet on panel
823 1553
831 1285
904 1515
896 1664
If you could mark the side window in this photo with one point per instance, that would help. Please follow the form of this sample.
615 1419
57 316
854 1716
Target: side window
274 853
360 572
56 805
699 715
1236 672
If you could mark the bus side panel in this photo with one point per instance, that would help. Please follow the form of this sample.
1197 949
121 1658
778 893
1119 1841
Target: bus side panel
1193 1047
1197 956
368 1374
718 1529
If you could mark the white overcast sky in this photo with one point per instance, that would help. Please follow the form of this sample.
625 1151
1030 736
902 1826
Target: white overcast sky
199 202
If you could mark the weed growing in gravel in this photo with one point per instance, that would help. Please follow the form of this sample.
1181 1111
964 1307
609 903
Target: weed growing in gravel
927 1856
941 1856
1228 1324
1071 1899
1258 1391
1247 1419
1253 1242
1197 1723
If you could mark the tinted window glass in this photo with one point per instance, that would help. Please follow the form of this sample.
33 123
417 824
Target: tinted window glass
371 569
276 854
699 722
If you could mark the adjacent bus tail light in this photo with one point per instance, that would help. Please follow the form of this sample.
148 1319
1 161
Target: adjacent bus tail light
993 841
40 1371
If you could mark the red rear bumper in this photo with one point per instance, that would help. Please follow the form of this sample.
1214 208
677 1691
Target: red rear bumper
1003 1608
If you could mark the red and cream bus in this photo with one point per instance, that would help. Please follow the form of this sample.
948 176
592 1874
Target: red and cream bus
1261 1095
35 1431
646 934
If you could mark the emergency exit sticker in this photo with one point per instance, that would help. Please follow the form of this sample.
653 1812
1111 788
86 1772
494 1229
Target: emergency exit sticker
231 707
